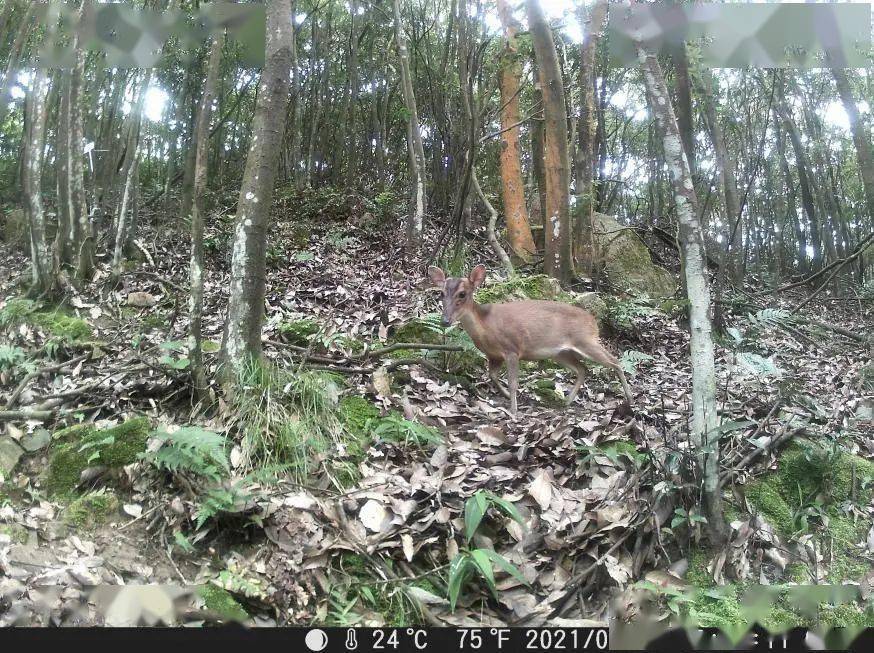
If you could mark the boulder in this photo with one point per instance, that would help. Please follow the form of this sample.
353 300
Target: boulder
10 453
627 263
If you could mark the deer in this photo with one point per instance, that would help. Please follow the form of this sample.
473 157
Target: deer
524 331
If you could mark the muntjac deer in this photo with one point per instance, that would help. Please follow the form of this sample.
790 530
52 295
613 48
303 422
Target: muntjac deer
527 330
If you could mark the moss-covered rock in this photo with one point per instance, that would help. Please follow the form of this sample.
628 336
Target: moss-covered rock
626 260
92 509
539 286
298 332
84 446
15 532
222 603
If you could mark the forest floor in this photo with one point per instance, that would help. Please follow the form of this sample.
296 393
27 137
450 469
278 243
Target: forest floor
352 482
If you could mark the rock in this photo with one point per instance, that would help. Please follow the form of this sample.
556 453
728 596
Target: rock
15 229
141 300
592 302
10 453
54 530
36 440
627 263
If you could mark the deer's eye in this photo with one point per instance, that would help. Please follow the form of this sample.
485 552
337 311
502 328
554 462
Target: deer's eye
461 295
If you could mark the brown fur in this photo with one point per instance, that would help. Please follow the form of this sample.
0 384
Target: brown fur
526 330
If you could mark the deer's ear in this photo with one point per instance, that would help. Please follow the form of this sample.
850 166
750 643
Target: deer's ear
437 276
477 275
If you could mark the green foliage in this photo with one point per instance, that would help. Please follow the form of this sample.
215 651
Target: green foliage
356 412
287 418
16 310
358 597
769 318
85 446
630 359
395 428
622 313
11 357
480 562
55 321
92 509
221 602
520 287
191 449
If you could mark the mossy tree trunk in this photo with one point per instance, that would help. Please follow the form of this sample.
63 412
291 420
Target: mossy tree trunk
242 337
705 422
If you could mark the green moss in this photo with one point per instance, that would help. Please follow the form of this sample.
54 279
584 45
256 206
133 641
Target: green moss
866 375
766 496
92 509
16 532
84 446
536 286
546 392
298 332
797 573
355 412
426 330
222 603
63 326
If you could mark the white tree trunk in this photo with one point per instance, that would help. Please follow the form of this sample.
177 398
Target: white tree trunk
40 256
705 422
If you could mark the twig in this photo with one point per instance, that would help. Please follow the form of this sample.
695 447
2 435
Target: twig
771 444
158 277
44 370
18 415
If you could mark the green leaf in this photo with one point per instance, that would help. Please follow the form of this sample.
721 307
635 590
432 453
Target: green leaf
458 571
183 542
173 345
474 511
505 565
676 521
505 507
481 560
734 425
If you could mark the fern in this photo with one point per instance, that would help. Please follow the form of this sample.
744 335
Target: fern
770 318
11 356
395 428
631 358
758 365
191 449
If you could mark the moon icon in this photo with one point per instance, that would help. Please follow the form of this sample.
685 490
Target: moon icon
316 640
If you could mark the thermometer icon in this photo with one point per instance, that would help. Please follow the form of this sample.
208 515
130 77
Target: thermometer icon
351 642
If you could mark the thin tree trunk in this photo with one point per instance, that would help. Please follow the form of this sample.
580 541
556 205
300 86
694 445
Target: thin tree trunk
242 337
588 124
515 210
297 173
43 273
860 139
14 56
415 224
705 422
558 262
195 274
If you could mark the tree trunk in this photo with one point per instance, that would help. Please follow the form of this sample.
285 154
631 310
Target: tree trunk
297 172
515 210
588 124
860 139
43 273
556 218
242 337
705 422
685 117
195 274
14 56
415 224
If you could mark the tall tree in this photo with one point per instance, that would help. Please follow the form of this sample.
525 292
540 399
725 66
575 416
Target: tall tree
587 126
415 223
43 271
515 210
195 274
705 419
242 336
556 218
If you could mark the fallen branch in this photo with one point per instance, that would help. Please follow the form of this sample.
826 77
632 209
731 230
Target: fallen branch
376 353
36 373
838 268
770 445
25 415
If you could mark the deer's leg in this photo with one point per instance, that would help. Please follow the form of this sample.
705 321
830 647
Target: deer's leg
597 353
494 369
570 360
513 377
